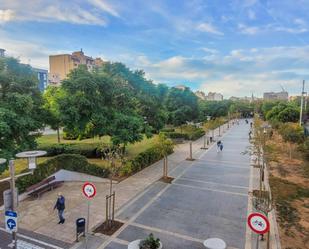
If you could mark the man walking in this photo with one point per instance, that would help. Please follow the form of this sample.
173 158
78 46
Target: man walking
60 205
219 146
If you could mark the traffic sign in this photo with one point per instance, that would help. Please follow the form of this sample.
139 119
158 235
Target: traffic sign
11 221
89 190
258 223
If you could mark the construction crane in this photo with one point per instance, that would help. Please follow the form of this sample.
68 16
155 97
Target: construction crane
283 90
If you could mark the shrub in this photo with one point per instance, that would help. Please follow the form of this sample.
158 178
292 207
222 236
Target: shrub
87 150
150 243
70 162
176 135
142 160
196 134
167 130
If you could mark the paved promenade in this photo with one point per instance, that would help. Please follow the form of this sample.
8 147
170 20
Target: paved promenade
208 198
38 215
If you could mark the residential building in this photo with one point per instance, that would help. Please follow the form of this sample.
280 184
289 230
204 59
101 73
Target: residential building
62 64
213 96
42 75
283 95
181 87
201 95
2 52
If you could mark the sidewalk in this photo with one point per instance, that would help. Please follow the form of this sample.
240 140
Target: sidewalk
38 215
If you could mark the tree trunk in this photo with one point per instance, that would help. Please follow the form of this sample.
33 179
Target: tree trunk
290 151
165 167
123 150
58 135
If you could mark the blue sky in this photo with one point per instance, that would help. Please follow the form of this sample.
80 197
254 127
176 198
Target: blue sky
231 46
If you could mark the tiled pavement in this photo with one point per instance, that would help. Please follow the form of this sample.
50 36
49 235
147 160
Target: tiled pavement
208 198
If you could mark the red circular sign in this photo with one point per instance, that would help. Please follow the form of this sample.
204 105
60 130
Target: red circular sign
258 223
89 190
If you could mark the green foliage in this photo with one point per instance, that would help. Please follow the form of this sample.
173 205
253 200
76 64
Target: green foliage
51 106
150 243
20 107
126 129
146 158
182 106
70 162
176 135
305 149
281 111
87 150
167 130
187 132
292 133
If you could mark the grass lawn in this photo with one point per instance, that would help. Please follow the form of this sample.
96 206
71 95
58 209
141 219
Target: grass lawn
52 139
20 165
131 150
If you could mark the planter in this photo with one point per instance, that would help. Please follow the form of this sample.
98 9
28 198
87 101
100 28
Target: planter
135 244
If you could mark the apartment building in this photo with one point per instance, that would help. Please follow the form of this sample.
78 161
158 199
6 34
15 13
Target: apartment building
42 75
62 64
276 96
2 52
213 96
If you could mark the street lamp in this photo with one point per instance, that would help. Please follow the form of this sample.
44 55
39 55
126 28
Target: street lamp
31 156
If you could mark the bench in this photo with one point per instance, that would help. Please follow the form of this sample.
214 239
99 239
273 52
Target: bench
46 185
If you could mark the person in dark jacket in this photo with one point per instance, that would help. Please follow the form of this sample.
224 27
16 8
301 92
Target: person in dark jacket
60 206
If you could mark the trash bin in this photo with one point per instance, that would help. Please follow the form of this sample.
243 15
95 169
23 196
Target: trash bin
80 227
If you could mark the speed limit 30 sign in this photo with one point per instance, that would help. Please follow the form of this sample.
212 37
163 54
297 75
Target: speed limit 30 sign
89 190
258 223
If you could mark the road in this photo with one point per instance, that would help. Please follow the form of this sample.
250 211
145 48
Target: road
30 240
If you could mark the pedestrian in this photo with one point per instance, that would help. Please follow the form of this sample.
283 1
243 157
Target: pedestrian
60 206
250 134
219 146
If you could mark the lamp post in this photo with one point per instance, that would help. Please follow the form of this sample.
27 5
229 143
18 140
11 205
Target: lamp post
31 156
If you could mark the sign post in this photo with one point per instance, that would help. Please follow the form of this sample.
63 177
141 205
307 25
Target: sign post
258 224
11 221
89 190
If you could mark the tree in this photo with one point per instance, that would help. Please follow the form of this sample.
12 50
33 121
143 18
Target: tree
51 106
126 129
289 114
182 106
164 146
292 134
21 111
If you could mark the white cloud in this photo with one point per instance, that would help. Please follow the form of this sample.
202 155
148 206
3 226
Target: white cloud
103 5
248 30
209 28
6 15
79 16
239 73
55 11
210 50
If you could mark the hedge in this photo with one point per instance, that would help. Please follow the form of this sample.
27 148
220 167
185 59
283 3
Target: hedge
70 162
196 134
175 135
142 160
192 135
167 130
87 150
